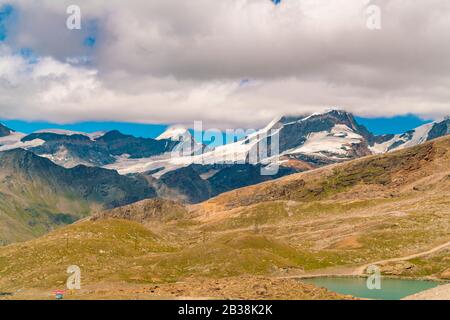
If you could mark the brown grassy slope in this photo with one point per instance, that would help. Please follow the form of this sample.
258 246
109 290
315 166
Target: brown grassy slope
373 208
370 177
337 217
146 211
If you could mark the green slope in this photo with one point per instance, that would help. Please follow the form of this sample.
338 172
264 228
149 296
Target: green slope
37 196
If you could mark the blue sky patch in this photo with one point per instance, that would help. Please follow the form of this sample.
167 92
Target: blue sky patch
377 126
90 41
394 125
29 55
5 13
92 27
136 129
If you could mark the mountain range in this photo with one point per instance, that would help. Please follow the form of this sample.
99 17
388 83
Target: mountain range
259 242
55 177
315 140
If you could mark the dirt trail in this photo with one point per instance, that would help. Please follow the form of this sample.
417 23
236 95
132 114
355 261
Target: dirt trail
360 270
345 271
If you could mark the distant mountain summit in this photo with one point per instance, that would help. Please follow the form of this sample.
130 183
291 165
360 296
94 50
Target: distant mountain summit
305 141
187 145
69 149
315 139
424 133
175 133
333 136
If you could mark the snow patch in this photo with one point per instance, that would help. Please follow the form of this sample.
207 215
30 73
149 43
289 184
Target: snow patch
13 141
419 136
175 133
338 142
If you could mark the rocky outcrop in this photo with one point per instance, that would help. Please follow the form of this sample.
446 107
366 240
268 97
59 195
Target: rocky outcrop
146 211
5 131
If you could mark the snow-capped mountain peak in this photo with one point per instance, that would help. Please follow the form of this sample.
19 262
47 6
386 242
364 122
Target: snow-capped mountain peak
175 133
419 135
313 140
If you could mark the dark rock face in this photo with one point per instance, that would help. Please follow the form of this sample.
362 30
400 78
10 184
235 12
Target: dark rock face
439 129
242 175
91 184
101 151
294 131
78 147
189 182
294 134
4 131
380 139
117 144
50 137
107 186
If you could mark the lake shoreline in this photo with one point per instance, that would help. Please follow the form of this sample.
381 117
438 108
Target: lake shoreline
393 288
439 293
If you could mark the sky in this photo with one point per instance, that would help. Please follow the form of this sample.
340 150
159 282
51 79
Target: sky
135 129
142 65
378 126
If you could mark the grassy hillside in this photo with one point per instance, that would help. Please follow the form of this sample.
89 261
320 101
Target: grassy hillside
29 209
332 220
37 196
382 175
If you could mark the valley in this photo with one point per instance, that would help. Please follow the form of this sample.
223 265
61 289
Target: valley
257 242
232 150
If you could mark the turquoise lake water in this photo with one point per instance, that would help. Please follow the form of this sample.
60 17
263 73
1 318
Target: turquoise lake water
391 289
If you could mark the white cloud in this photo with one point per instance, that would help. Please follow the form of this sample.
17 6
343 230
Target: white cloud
179 61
